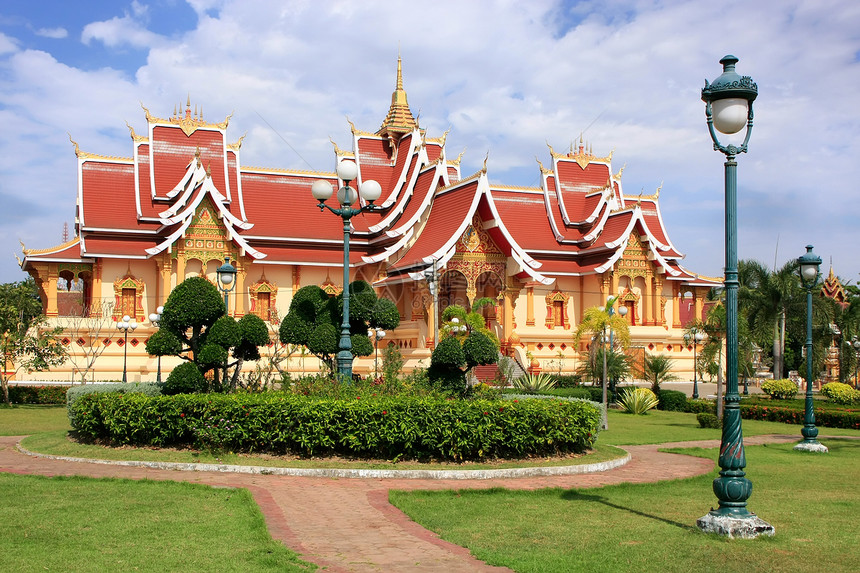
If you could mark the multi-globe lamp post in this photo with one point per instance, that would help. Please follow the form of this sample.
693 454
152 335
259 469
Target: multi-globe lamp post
856 345
808 264
127 323
155 319
377 334
226 274
370 191
728 109
695 336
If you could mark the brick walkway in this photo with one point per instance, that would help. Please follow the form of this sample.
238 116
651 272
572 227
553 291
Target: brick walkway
347 525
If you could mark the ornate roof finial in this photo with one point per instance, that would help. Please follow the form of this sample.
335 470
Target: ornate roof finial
484 168
399 120
209 171
188 107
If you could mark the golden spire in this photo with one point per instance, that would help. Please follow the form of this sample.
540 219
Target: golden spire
399 120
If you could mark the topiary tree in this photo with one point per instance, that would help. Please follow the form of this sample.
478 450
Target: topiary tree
465 343
194 327
314 320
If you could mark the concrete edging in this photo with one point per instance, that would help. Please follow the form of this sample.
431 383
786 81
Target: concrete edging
357 473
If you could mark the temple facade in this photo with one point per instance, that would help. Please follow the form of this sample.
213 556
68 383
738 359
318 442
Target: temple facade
184 200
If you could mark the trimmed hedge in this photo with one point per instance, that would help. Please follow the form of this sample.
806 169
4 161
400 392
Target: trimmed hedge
37 394
672 401
839 393
823 418
782 389
76 392
390 427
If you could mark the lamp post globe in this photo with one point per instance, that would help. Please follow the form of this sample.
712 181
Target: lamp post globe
808 265
726 99
226 274
370 191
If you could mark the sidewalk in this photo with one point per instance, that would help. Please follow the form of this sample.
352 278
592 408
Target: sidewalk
347 525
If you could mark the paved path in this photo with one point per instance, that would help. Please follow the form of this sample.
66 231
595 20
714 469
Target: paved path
347 525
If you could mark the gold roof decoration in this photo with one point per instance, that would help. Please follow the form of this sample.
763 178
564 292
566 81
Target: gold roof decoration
237 145
832 288
617 176
399 120
189 123
543 170
456 162
56 249
341 153
486 158
356 131
135 137
86 155
583 155
653 197
438 140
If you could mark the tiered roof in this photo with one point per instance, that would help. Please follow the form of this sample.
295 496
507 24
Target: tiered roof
577 222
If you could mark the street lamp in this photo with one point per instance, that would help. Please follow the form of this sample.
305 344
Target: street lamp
376 333
125 324
155 319
346 196
856 345
809 263
695 336
226 274
433 284
728 107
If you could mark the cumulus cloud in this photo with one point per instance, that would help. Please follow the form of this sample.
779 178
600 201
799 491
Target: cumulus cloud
507 78
54 33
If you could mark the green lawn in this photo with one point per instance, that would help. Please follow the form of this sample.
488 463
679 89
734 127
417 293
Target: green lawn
658 427
810 499
24 419
75 524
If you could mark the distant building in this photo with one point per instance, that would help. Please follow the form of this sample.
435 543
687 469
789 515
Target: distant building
184 200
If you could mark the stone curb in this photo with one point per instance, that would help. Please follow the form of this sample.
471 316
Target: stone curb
347 473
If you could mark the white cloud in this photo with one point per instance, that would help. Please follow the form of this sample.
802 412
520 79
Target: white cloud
506 77
55 33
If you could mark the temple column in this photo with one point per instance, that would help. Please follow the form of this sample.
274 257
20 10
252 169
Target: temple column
51 290
649 301
530 305
697 304
180 269
659 317
613 284
166 272
676 305
241 298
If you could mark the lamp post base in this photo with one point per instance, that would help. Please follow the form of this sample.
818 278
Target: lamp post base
811 447
735 527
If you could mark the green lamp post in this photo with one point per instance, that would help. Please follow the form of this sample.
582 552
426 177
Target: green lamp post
808 264
728 108
226 274
370 191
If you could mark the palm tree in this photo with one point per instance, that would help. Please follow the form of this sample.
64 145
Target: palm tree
596 322
767 298
658 369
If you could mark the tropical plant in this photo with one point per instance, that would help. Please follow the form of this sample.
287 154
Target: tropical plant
658 369
618 366
533 383
599 323
637 400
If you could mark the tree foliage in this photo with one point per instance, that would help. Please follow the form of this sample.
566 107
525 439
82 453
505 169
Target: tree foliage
194 322
28 343
658 369
465 342
314 320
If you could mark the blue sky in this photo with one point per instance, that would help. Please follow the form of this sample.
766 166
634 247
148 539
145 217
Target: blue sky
505 77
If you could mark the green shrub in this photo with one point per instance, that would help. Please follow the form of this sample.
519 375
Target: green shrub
841 393
532 383
637 400
76 392
578 392
707 420
571 381
185 379
672 401
38 394
701 405
782 389
405 427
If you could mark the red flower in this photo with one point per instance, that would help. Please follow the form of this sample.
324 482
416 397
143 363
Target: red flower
486 413
515 401
181 415
501 408
384 412
358 397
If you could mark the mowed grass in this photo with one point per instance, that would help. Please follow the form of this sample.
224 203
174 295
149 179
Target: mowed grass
25 419
75 524
660 427
810 499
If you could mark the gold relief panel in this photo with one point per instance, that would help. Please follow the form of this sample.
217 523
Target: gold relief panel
263 295
128 292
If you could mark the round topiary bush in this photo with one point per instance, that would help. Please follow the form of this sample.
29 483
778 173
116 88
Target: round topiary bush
841 393
707 420
672 401
185 379
782 389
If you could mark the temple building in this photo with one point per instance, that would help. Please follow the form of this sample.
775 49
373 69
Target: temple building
184 200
